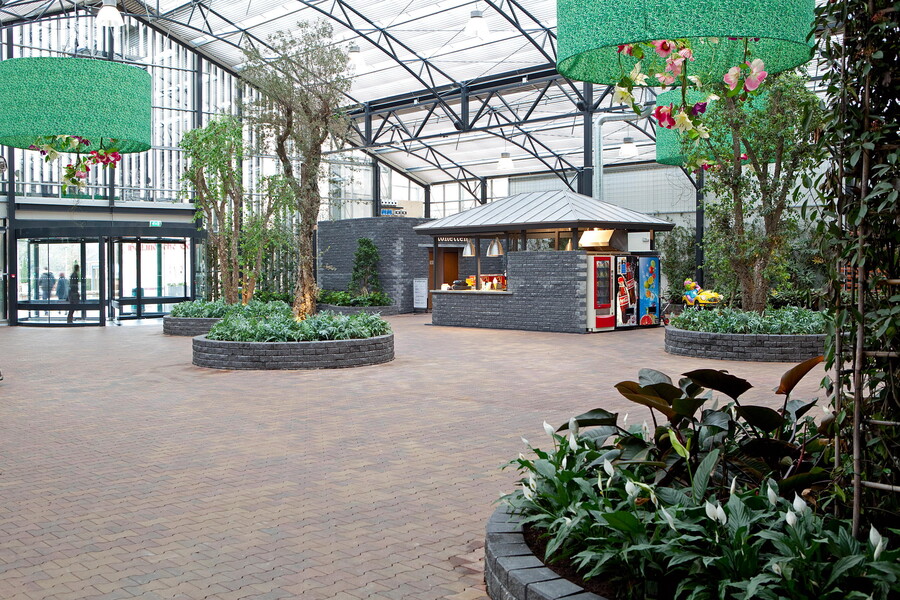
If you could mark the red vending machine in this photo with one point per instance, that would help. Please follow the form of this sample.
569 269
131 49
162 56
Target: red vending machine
626 275
601 310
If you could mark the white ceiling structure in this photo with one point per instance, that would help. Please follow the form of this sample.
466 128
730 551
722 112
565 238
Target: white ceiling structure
430 99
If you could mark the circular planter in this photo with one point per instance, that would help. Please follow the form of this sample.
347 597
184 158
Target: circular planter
332 354
744 346
187 326
384 311
513 572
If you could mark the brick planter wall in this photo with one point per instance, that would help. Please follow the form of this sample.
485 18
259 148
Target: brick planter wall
744 346
513 572
332 354
384 311
187 326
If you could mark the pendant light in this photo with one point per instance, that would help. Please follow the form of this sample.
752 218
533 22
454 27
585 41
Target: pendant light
109 15
469 250
591 31
505 163
477 26
495 248
354 56
595 238
628 149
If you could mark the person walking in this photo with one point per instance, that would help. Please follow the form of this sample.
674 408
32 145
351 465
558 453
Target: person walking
74 292
62 288
45 285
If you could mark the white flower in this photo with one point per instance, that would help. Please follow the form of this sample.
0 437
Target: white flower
522 456
600 482
526 491
531 482
720 514
878 542
631 489
773 496
712 97
622 96
800 506
733 485
625 420
636 76
702 131
608 467
668 517
696 81
776 568
791 518
573 426
573 443
645 431
683 121
548 428
710 510
524 441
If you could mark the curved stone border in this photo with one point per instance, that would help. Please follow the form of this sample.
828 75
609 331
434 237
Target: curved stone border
187 325
744 346
384 311
513 572
331 354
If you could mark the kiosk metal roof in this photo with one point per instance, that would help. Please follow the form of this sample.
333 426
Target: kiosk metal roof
561 209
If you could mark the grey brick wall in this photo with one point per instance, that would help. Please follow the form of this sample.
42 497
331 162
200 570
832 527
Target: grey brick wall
335 354
547 292
187 326
750 347
513 572
402 258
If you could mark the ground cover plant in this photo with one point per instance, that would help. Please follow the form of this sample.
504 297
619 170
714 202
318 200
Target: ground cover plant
714 500
340 298
218 309
280 325
789 320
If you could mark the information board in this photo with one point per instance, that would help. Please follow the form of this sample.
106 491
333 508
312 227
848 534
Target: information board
420 293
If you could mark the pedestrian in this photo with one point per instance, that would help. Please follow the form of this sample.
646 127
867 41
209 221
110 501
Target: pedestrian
74 291
45 285
62 288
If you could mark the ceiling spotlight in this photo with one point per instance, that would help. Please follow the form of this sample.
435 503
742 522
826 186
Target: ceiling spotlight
355 57
109 15
505 163
628 149
477 26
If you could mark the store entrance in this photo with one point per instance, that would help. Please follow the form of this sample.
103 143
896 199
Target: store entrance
449 268
148 276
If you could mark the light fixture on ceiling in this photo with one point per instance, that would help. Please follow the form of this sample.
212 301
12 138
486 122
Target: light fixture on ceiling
477 26
109 15
354 54
595 238
495 248
505 163
628 149
469 250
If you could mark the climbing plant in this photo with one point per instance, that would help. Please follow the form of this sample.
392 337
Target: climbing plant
364 279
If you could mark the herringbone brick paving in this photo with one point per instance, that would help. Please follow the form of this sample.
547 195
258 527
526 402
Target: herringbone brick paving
125 472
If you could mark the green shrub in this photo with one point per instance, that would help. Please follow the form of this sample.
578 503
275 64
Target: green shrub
339 298
364 279
264 296
202 309
788 320
279 325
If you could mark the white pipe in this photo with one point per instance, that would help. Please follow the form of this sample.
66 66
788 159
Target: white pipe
599 120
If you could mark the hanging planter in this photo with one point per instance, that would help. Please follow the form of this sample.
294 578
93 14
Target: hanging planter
591 32
96 109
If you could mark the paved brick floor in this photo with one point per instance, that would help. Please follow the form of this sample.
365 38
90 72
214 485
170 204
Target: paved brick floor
126 472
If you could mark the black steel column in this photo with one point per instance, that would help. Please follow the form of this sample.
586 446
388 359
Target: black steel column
198 91
435 282
427 201
110 174
139 290
12 256
477 263
102 270
586 176
484 191
698 239
376 188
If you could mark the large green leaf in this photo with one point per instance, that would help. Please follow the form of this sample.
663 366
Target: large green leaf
761 417
687 406
689 387
592 418
721 381
624 521
769 448
666 391
651 376
798 408
701 477
793 376
600 434
718 419
801 481
635 393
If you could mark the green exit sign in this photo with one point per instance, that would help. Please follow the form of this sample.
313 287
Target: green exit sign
155 223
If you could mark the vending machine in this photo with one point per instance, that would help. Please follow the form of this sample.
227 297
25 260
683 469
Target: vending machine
648 289
601 310
626 291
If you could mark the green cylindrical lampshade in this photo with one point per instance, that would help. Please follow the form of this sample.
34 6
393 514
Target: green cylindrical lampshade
668 141
590 31
98 100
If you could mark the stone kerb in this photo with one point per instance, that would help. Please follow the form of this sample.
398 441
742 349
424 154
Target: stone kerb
331 354
384 311
513 572
187 326
744 346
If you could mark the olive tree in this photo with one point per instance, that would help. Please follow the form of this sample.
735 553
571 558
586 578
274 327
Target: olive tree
301 79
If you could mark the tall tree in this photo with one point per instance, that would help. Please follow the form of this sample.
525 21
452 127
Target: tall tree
215 153
263 230
302 81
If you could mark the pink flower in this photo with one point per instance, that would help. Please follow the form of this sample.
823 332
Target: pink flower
673 64
664 116
665 78
744 157
80 174
757 75
733 77
664 47
706 166
686 54
626 49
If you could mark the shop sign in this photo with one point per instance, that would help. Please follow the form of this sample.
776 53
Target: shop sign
155 223
420 293
392 212
460 240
